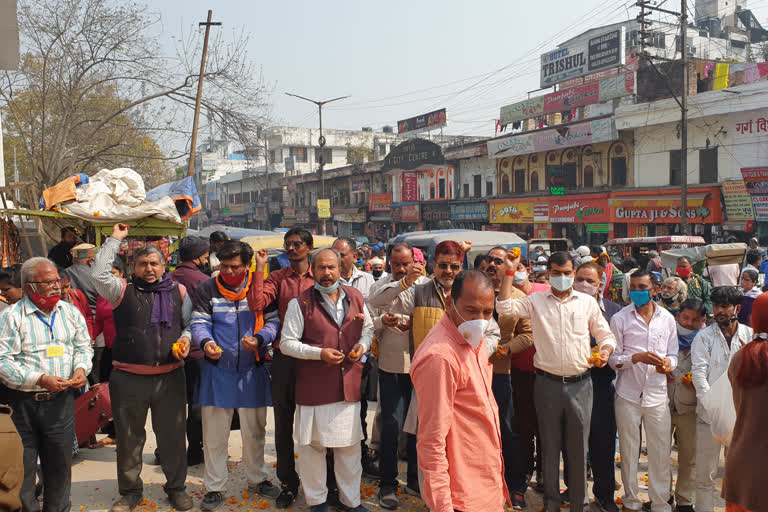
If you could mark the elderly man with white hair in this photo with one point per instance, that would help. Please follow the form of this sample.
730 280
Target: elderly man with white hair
674 291
45 349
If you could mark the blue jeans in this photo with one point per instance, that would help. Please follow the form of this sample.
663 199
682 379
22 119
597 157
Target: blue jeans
510 438
395 396
47 429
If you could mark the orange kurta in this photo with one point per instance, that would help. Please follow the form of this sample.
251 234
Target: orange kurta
459 439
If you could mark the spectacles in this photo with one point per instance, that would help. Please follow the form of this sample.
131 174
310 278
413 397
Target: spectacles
497 261
49 284
444 266
289 245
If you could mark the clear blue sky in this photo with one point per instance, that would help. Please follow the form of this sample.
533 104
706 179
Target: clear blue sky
471 57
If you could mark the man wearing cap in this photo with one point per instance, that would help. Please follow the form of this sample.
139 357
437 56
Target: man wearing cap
79 274
193 253
59 253
377 269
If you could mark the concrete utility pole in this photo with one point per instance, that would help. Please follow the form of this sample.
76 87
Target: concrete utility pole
321 140
684 122
207 24
682 101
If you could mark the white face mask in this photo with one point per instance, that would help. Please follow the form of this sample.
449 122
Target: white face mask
473 331
585 287
561 283
520 277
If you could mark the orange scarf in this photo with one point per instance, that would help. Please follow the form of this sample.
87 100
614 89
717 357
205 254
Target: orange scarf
233 296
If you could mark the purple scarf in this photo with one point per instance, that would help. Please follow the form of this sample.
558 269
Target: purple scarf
162 306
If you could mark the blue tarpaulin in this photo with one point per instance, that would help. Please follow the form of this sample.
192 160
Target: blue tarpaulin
183 193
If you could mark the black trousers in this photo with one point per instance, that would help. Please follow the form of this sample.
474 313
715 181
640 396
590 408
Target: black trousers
527 424
47 430
602 439
284 408
132 397
192 369
395 390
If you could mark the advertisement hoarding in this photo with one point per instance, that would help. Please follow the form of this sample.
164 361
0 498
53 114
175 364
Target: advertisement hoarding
756 182
469 211
569 98
435 119
410 190
588 210
510 212
380 202
738 204
567 62
323 208
590 132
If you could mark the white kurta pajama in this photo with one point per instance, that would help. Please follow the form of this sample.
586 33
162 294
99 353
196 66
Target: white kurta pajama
318 427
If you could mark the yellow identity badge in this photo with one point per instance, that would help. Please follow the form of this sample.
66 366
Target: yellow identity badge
55 351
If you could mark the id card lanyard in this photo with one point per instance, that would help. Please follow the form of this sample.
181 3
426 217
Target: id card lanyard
48 325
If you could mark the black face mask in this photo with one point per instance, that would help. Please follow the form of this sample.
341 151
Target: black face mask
204 268
669 300
377 273
727 323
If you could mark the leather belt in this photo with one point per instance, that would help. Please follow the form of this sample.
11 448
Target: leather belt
37 396
564 378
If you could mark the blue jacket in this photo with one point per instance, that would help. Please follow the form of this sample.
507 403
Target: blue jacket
237 379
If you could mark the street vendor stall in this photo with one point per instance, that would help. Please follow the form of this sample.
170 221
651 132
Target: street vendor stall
93 205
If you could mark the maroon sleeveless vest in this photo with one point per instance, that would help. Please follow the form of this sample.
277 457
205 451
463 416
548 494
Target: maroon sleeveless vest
319 383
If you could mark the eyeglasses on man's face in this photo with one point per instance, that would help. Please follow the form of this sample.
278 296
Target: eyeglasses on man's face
49 284
290 245
444 266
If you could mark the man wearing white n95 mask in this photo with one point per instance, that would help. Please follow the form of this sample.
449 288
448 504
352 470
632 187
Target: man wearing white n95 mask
562 321
459 438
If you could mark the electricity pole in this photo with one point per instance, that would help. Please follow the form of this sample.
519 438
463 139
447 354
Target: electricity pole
684 122
682 101
207 24
320 141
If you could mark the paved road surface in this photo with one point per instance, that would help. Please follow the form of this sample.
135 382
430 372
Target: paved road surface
94 485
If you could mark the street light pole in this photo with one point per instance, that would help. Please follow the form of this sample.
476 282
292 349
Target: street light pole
321 140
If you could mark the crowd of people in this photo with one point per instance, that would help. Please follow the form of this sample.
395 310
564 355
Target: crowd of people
484 379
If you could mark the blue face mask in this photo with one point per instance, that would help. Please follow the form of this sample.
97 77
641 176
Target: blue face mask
685 337
328 289
640 297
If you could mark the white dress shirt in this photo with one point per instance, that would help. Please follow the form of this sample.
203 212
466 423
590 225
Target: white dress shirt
561 329
333 425
640 383
361 281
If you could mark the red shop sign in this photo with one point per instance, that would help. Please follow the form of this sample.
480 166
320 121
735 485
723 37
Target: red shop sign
572 210
410 187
